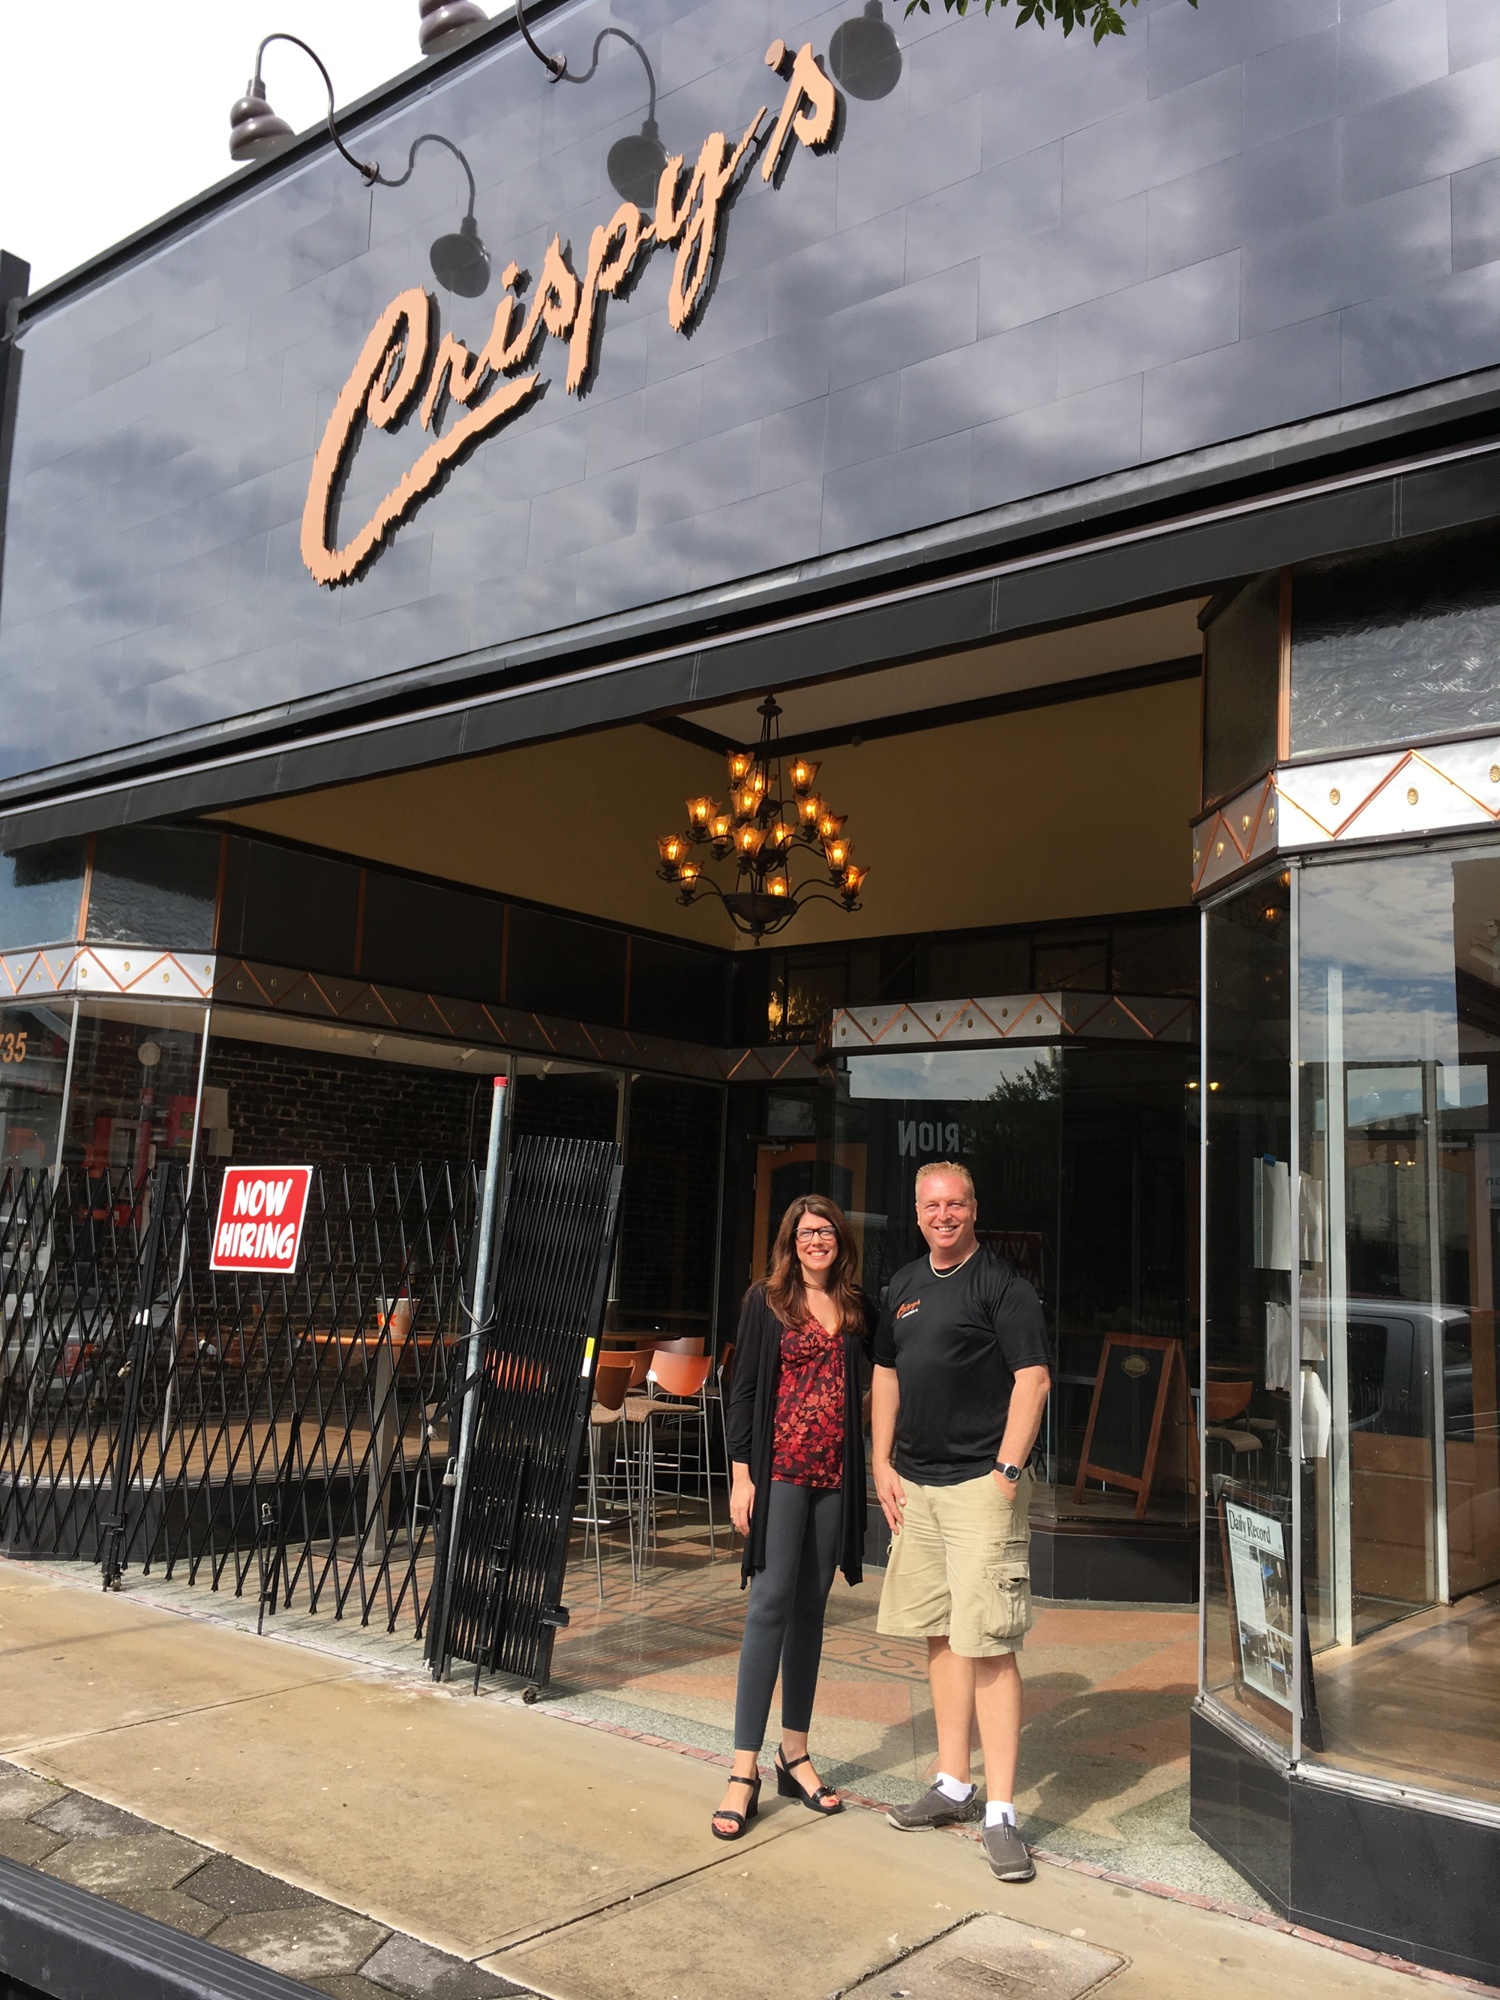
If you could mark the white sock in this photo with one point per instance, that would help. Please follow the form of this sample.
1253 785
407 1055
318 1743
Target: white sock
997 1810
951 1788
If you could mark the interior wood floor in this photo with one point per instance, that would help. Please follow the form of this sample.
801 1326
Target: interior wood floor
1419 1701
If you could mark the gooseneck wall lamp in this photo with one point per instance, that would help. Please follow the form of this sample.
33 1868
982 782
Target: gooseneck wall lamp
459 260
864 54
635 162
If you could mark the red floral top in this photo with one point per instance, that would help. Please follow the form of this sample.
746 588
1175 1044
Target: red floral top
809 1436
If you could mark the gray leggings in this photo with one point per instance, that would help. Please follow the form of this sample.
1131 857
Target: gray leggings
784 1624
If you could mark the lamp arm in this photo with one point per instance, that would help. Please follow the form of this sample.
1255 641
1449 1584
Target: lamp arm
565 75
556 65
422 139
559 65
368 169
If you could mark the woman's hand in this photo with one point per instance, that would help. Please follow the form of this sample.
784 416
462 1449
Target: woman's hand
892 1496
742 1500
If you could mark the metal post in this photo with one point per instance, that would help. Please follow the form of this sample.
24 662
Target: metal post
1439 1591
1297 1614
479 1317
1341 1538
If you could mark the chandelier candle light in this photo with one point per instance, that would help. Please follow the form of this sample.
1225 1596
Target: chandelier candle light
772 819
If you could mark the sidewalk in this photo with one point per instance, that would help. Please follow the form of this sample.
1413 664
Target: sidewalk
568 1859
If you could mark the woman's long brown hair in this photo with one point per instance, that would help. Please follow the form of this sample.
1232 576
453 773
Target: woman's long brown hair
785 1292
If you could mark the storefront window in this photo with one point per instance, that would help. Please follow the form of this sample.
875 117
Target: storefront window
133 1091
1081 1163
1245 1408
1399 1085
33 1067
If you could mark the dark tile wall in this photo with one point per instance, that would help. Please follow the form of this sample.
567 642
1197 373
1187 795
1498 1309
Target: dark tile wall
1033 262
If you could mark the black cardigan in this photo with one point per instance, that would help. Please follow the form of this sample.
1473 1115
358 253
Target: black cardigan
752 1426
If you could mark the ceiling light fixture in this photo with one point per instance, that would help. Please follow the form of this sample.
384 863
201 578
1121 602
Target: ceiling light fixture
772 821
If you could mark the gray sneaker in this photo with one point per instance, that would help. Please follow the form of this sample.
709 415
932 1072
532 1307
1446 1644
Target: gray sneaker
934 1808
1008 1858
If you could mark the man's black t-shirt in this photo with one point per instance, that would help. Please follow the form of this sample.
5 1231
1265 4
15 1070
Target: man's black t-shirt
955 1342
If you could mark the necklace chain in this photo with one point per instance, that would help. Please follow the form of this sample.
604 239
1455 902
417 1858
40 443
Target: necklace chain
956 1268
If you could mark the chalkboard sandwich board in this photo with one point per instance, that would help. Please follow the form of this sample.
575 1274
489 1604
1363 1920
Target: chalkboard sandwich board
1138 1374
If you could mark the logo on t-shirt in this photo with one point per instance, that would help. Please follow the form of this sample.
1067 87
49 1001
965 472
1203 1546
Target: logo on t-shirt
910 1307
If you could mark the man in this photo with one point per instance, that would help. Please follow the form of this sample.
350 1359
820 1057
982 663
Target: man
960 1383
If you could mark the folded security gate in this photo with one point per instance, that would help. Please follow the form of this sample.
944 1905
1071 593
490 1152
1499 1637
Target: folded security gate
279 1437
510 1499
70 1257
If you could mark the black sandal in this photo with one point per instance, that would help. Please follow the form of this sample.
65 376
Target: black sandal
741 1819
788 1788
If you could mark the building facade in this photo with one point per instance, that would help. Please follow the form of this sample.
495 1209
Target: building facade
1094 454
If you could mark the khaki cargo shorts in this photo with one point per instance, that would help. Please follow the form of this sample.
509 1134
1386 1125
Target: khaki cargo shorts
960 1568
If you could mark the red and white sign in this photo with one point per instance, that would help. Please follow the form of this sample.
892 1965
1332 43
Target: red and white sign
261 1210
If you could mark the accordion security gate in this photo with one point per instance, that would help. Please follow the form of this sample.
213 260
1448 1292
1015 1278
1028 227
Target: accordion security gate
284 1438
509 1517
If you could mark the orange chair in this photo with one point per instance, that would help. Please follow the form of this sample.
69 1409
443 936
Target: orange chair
681 1383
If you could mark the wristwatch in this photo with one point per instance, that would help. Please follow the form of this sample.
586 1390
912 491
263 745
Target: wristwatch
1010 1472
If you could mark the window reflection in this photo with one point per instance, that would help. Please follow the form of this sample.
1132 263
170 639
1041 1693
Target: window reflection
1400 1480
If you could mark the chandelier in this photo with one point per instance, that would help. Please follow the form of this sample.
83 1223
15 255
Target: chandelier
767 835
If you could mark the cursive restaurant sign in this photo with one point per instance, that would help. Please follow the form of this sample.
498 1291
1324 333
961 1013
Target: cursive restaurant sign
402 366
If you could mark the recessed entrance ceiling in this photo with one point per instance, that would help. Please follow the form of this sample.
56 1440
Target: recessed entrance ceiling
921 689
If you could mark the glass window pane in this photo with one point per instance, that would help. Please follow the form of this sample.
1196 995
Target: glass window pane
1241 688
40 891
1081 962
133 1096
433 939
675 991
33 1063
285 906
154 885
1396 647
1400 1007
1246 1406
555 965
669 1207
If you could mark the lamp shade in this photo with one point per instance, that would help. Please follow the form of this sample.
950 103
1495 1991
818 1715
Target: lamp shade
460 262
255 132
865 55
444 24
634 165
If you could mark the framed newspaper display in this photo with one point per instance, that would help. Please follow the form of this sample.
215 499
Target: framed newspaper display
1256 1542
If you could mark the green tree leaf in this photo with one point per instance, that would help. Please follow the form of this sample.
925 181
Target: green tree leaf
1103 16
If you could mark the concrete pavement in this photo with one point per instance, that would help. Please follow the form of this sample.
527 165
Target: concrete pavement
570 1860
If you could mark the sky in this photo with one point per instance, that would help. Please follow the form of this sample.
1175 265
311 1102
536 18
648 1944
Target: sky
141 120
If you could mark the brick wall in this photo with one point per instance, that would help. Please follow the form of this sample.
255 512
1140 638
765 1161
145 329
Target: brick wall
292 1105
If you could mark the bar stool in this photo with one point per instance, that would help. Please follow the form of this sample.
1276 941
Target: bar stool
611 1385
681 1382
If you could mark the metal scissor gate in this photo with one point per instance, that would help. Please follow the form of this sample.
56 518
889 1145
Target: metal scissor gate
509 1515
292 1438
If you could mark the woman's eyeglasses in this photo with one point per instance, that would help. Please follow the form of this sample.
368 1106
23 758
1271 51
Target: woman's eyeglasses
817 1236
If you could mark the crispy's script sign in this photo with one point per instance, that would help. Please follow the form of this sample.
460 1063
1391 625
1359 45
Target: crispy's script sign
398 364
259 1224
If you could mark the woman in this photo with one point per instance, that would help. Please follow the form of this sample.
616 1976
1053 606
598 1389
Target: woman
796 1442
